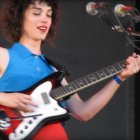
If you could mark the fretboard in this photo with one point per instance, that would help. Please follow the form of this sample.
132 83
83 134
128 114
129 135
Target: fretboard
88 80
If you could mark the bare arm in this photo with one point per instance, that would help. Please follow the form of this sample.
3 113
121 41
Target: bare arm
88 109
4 59
12 100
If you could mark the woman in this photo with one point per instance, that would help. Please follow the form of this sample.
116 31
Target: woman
28 24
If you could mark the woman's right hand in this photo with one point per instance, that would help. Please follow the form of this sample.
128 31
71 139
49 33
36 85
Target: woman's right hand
18 101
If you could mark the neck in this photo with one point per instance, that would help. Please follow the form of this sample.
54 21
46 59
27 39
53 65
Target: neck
33 46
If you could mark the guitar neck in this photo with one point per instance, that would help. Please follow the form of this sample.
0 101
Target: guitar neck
88 80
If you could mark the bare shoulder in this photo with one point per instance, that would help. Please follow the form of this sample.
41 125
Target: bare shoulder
3 52
3 55
2 49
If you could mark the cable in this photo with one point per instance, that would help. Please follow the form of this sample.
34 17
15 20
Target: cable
125 31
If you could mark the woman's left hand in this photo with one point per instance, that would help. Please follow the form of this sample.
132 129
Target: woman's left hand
132 67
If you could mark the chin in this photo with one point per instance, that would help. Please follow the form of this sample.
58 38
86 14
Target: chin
41 38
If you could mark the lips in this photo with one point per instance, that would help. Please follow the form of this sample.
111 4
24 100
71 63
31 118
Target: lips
42 28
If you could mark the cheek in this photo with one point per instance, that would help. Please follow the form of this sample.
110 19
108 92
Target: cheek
29 24
50 23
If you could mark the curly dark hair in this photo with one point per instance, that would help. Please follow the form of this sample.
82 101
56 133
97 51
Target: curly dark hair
12 18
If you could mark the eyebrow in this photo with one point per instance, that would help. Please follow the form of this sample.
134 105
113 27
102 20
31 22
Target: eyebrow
37 8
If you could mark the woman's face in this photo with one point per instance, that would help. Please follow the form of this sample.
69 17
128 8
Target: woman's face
37 21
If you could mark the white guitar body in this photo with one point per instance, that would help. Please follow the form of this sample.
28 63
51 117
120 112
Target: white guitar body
47 109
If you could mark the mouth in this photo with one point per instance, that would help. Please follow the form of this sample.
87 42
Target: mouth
42 28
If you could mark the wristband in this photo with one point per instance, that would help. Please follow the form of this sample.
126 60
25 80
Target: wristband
117 79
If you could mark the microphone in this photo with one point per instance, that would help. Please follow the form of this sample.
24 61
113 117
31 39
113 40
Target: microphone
122 10
93 8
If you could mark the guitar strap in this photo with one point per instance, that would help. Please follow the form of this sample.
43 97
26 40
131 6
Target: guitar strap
59 67
65 73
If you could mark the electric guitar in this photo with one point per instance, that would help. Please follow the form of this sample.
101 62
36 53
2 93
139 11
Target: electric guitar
47 93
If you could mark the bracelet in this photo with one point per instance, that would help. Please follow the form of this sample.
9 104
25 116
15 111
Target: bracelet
117 79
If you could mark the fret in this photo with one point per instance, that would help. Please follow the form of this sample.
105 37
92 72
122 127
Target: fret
117 67
91 77
65 89
87 79
73 85
84 80
56 93
69 87
123 65
97 76
77 84
101 73
53 94
60 90
111 69
107 72
80 82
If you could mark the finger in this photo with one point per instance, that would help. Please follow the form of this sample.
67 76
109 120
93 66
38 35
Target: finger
25 108
134 55
27 96
134 67
131 65
33 104
29 102
136 64
129 61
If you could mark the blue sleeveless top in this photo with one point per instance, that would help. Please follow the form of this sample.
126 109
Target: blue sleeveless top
24 69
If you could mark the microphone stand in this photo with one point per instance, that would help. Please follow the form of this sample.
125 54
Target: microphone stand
129 32
119 27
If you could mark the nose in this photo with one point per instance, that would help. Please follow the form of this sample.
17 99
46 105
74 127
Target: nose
44 19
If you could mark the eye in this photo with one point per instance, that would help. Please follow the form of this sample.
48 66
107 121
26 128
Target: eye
36 11
49 15
37 14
